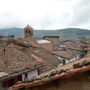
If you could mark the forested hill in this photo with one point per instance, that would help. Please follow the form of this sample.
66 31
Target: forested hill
65 34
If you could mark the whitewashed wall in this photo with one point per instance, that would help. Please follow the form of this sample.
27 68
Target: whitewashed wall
32 74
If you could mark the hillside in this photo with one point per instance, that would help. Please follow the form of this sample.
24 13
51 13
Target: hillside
18 32
65 34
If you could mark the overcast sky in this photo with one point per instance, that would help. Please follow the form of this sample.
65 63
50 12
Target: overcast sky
45 14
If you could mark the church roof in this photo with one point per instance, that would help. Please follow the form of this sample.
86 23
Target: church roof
28 27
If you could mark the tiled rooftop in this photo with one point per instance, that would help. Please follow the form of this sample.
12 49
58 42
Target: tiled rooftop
66 53
66 71
69 51
13 56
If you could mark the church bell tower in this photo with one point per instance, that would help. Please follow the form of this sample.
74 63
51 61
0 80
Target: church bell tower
28 31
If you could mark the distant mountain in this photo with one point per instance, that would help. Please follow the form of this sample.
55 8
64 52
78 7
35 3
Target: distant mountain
65 34
18 32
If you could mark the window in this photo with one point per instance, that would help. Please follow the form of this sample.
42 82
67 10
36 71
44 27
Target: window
26 32
29 31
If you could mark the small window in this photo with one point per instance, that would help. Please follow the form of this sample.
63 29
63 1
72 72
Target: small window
26 32
29 31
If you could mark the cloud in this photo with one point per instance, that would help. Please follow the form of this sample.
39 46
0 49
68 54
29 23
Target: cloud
45 14
81 15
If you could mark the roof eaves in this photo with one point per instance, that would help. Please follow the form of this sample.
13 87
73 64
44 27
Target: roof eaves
15 74
65 74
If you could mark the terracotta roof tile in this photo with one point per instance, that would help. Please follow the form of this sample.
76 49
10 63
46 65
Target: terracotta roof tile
66 54
57 74
64 71
18 56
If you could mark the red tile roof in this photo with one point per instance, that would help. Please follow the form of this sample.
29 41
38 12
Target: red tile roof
37 58
16 55
66 53
62 72
75 44
33 42
65 71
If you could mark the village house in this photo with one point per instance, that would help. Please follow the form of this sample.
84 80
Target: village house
68 55
25 58
47 42
53 44
72 76
20 60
